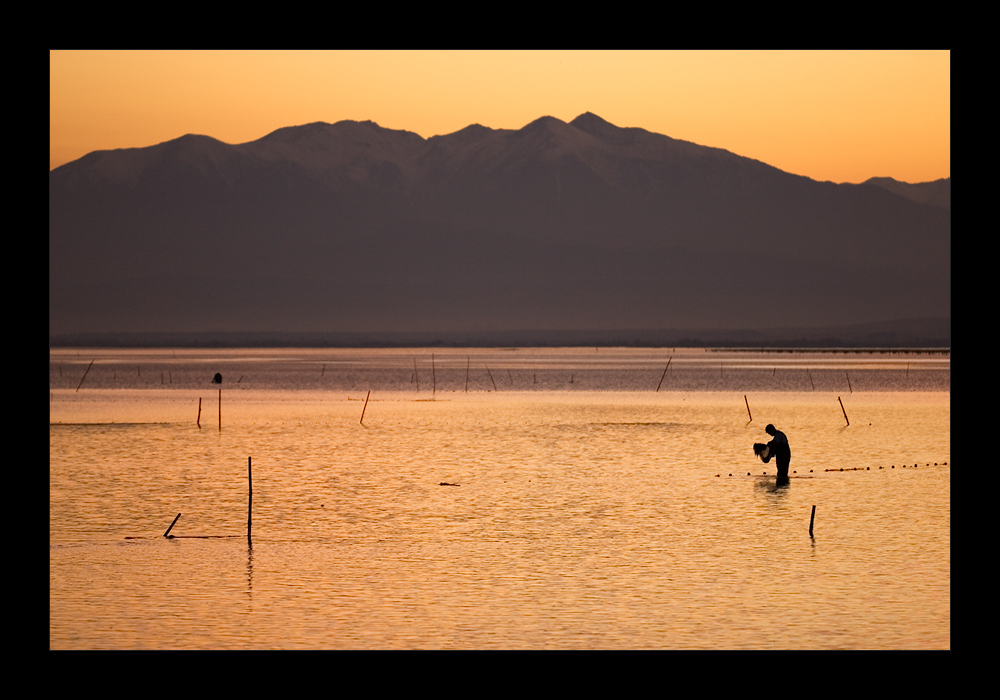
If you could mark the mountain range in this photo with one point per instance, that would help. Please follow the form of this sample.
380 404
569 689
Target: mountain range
354 230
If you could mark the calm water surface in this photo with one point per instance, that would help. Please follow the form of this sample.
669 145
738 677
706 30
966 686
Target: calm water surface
602 499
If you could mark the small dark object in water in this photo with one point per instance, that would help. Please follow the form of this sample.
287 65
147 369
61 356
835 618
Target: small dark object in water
217 379
445 483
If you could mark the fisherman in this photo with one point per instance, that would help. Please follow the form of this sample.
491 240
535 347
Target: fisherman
779 449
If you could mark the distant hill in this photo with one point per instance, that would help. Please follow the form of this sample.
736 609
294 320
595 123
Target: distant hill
937 192
351 228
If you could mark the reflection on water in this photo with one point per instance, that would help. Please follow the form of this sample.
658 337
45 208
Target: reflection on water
583 517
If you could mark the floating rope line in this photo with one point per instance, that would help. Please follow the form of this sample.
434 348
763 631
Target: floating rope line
861 469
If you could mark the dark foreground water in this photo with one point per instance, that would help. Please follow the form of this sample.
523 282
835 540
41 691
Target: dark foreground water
596 498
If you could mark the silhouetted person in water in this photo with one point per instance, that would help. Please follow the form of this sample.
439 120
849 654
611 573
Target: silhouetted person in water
779 449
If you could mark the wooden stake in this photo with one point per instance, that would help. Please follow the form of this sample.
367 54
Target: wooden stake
664 372
85 374
199 412
849 382
811 519
491 377
249 500
171 526
365 408
842 409
748 407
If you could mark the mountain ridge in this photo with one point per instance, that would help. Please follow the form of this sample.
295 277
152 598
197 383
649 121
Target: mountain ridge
556 225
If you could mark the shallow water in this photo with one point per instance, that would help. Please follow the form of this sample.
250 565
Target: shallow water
601 501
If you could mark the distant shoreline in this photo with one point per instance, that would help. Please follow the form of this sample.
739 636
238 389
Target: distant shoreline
925 335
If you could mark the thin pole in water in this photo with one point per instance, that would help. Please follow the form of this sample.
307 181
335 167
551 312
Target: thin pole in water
220 410
85 374
198 421
171 526
842 409
365 408
491 377
748 407
849 382
249 500
664 373
811 520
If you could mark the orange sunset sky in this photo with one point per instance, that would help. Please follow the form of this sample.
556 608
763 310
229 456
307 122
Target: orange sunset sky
843 116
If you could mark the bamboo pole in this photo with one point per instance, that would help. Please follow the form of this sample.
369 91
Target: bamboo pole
812 518
365 408
849 382
249 500
85 374
842 409
748 407
664 372
199 412
167 533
